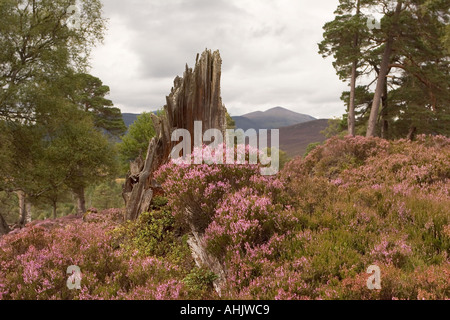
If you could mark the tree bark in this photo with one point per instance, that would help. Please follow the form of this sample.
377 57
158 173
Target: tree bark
351 109
24 209
195 97
412 134
371 130
81 201
4 228
55 210
385 113
372 125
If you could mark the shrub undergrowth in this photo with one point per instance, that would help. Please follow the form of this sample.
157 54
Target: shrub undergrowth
309 233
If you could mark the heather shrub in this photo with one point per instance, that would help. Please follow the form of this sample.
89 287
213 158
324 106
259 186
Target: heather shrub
245 218
312 232
34 263
309 233
369 201
199 189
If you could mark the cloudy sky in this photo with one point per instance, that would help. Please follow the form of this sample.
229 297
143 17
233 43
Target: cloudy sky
269 51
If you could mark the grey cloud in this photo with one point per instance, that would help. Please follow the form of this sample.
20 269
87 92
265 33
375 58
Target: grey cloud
269 52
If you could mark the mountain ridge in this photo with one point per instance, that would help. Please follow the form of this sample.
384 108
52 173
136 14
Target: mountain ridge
294 139
274 118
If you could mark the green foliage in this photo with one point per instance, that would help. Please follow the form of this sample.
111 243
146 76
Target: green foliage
38 46
154 234
9 208
105 195
339 38
446 38
159 202
311 147
137 139
415 93
335 127
84 154
200 282
44 85
231 124
88 93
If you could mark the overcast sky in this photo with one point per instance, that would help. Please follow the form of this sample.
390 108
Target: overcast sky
269 52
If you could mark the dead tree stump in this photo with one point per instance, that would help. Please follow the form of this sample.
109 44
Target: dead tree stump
195 97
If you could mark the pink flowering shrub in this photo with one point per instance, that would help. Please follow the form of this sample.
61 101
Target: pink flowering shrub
34 262
199 189
382 203
313 231
245 219
309 233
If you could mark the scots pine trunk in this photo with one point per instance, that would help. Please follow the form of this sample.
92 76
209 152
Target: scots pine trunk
81 201
21 197
384 69
351 110
55 208
385 114
24 209
371 130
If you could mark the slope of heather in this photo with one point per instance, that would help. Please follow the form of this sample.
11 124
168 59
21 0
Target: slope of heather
295 139
309 233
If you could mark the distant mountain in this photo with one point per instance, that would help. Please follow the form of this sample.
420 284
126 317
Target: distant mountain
295 139
271 119
129 118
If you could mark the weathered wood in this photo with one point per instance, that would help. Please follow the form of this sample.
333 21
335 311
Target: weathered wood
195 97
136 205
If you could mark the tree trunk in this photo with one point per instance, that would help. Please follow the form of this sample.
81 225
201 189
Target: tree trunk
372 125
55 210
385 114
81 201
371 130
351 109
21 197
4 228
28 211
24 209
412 133
195 97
